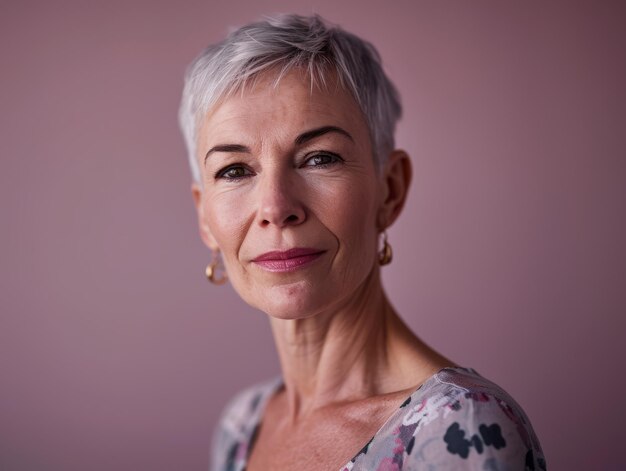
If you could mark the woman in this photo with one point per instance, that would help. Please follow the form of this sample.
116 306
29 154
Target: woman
289 125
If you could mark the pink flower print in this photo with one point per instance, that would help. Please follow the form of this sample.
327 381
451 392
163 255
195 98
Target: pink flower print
399 448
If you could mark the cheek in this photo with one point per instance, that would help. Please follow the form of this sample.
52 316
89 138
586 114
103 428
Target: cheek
349 211
226 222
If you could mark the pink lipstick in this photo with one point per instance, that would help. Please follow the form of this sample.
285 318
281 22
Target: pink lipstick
289 260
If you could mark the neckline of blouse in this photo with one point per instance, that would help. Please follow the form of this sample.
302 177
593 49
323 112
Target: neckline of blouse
277 383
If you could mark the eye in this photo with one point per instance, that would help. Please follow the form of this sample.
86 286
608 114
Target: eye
233 172
322 160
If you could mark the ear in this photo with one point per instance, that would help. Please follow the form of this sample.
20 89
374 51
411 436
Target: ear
205 233
396 180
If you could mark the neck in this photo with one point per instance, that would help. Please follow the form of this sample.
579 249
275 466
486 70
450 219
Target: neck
358 349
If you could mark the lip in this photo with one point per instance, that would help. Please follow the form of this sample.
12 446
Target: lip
288 260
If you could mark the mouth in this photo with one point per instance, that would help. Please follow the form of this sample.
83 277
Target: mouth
289 260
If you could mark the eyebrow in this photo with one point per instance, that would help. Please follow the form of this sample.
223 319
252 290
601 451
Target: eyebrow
227 148
313 133
301 139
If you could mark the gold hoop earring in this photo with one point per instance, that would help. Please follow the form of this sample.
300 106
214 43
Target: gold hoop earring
386 254
215 272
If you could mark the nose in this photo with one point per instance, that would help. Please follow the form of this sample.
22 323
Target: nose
279 202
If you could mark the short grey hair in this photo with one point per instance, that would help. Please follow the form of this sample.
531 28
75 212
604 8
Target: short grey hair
284 43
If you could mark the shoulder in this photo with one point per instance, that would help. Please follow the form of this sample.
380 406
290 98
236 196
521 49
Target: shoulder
244 406
462 419
238 420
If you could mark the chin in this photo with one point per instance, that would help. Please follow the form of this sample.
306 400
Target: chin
292 301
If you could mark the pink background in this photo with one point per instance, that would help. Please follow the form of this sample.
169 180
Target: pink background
115 353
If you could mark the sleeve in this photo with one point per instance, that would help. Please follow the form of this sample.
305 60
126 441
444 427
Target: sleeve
236 425
222 440
476 431
230 431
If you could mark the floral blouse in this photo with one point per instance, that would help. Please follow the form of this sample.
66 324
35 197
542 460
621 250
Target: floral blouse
455 420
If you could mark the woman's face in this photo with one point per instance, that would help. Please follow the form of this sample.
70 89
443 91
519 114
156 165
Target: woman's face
291 195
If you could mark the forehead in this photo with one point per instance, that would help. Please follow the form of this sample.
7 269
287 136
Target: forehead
267 108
